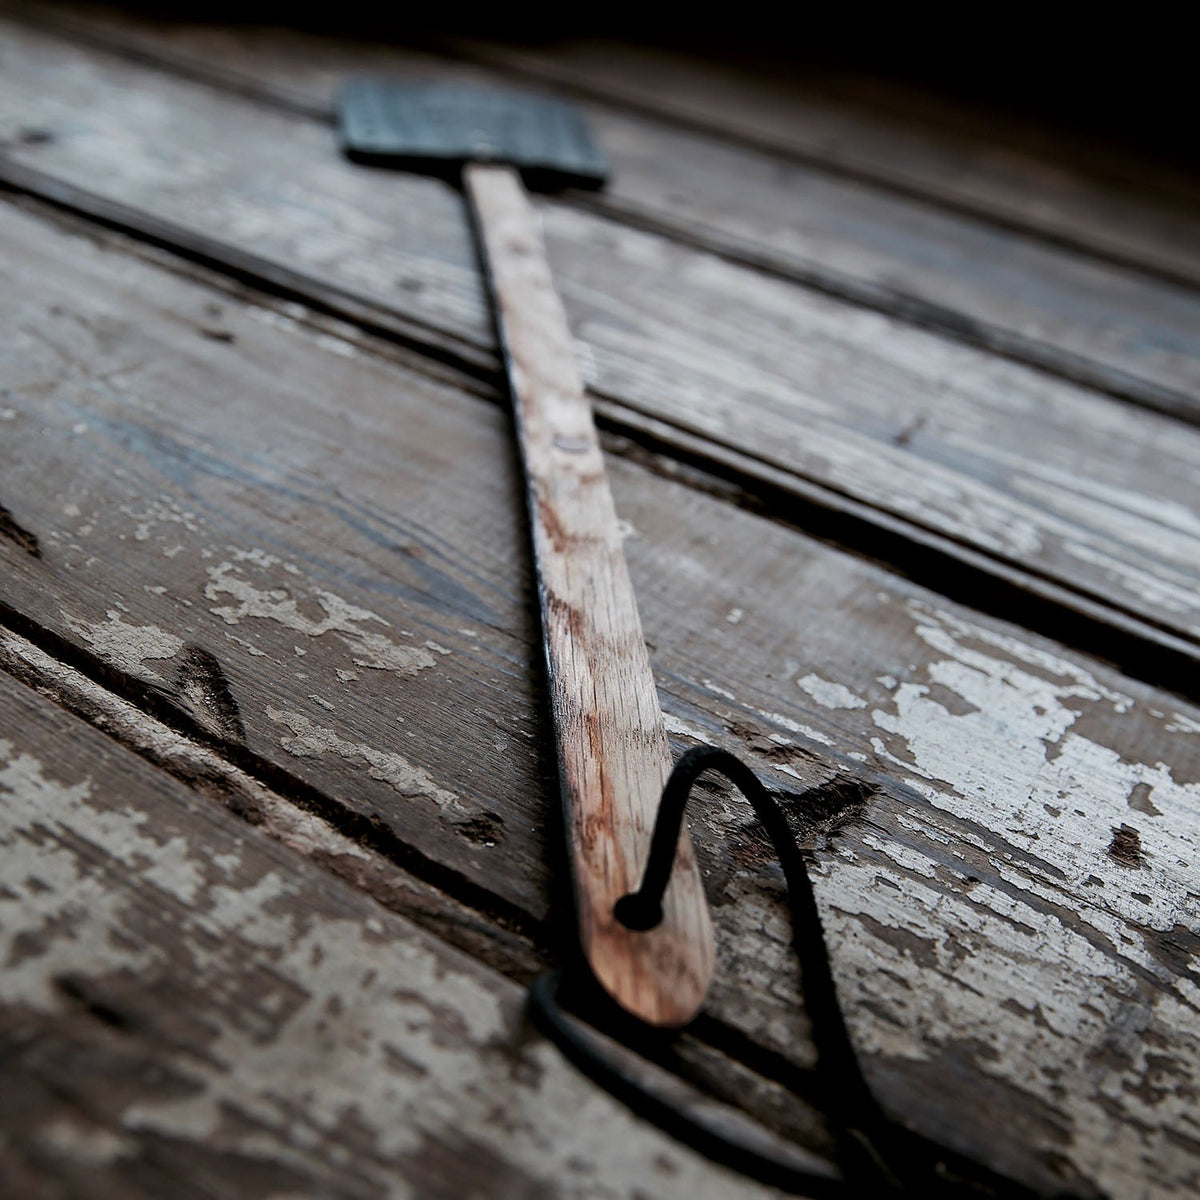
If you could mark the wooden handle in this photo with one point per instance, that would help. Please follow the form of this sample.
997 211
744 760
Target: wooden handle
612 744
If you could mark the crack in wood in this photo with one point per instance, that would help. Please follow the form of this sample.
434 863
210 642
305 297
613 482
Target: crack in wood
368 830
702 1062
22 538
906 306
1126 847
961 571
202 684
82 991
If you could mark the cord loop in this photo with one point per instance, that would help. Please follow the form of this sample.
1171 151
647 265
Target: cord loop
877 1156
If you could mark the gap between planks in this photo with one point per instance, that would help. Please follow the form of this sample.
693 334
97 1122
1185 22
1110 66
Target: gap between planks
685 622
534 65
149 1002
996 518
514 62
897 303
950 324
780 1099
1136 645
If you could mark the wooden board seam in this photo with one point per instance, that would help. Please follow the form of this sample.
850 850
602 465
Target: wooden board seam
372 835
517 949
697 1075
283 282
905 307
883 180
205 765
946 323
982 581
457 50
1079 619
310 311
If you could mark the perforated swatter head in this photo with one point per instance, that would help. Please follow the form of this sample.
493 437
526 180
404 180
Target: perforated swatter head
434 128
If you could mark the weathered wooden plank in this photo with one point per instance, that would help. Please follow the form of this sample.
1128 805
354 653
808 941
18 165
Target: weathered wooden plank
1008 885
382 632
1048 477
613 756
1101 200
190 1010
287 226
208 773
1103 325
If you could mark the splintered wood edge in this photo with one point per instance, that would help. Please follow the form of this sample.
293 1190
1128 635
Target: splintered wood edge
612 744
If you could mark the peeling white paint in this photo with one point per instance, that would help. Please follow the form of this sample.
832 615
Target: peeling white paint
829 694
308 740
160 511
1010 736
337 616
304 1008
1026 760
791 726
683 728
379 653
127 646
46 880
164 746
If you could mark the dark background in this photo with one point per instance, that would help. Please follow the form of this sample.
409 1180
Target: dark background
1124 75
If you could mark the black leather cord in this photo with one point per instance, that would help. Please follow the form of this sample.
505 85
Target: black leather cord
877 1157
588 1054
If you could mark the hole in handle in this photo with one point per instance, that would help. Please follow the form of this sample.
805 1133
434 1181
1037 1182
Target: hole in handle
638 912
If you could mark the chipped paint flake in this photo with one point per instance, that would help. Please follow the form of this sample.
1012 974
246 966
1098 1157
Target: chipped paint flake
683 728
308 740
249 646
338 617
791 726
127 646
1181 723
829 694
717 690
70 1140
378 653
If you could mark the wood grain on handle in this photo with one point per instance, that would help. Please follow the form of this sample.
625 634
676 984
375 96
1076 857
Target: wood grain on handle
612 745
